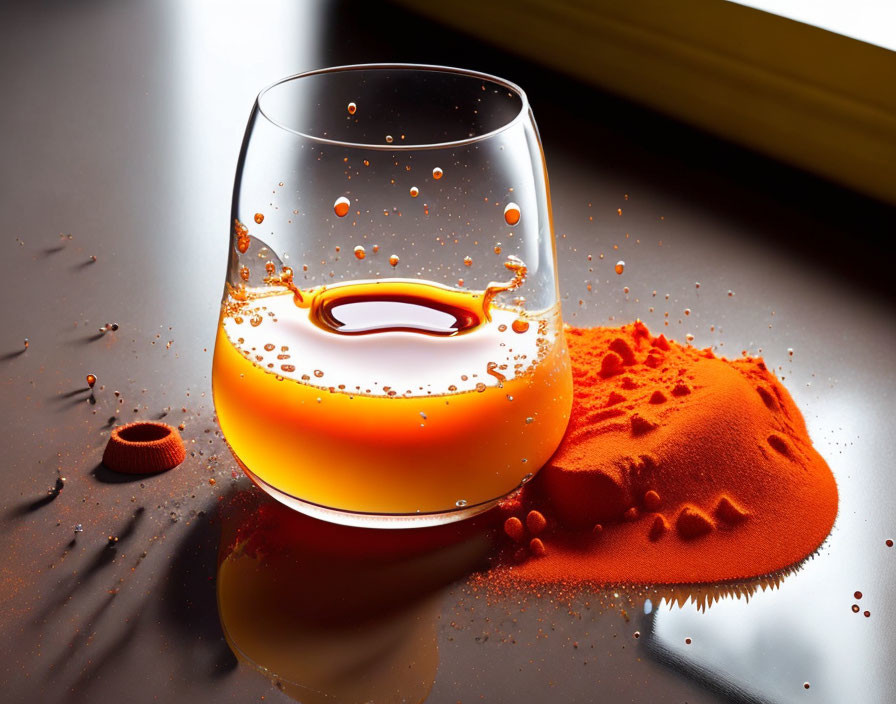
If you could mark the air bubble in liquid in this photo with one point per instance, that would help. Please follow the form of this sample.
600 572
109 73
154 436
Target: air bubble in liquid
360 252
620 267
437 173
414 191
393 260
512 214
341 206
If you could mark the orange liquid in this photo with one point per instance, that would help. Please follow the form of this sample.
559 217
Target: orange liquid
392 397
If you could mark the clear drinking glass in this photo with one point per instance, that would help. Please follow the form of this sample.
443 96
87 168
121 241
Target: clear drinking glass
390 350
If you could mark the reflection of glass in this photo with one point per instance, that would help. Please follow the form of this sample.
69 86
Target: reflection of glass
390 348
336 613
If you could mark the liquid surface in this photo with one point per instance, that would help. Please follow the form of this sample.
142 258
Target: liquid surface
389 397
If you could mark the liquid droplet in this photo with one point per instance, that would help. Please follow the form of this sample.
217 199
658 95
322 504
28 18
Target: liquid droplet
512 214
437 173
91 380
480 387
414 191
244 273
360 252
352 108
318 373
519 325
259 218
393 260
620 267
388 139
498 248
468 261
340 207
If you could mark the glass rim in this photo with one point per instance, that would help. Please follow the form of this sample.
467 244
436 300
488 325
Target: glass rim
509 85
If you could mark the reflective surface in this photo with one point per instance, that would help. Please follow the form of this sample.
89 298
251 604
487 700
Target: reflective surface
123 132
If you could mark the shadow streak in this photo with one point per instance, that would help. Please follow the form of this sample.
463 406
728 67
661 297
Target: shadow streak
105 475
38 504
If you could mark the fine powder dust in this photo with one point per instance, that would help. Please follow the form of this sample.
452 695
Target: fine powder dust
677 467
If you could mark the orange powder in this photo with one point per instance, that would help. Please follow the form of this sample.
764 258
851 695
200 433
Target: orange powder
677 467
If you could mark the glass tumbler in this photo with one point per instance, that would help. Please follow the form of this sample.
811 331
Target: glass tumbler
390 350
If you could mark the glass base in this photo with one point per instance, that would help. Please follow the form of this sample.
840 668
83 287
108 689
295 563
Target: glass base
370 520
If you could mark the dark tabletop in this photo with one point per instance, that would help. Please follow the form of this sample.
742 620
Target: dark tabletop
120 129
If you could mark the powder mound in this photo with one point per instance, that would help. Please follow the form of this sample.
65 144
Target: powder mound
641 425
611 364
658 528
144 447
729 512
652 500
743 491
692 523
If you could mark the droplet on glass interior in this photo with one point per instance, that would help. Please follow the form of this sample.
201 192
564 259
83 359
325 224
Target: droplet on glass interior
259 218
468 261
437 173
352 108
91 380
855 608
341 206
498 248
244 273
512 214
620 267
360 252
318 373
393 260
480 387
519 325
414 191
388 139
